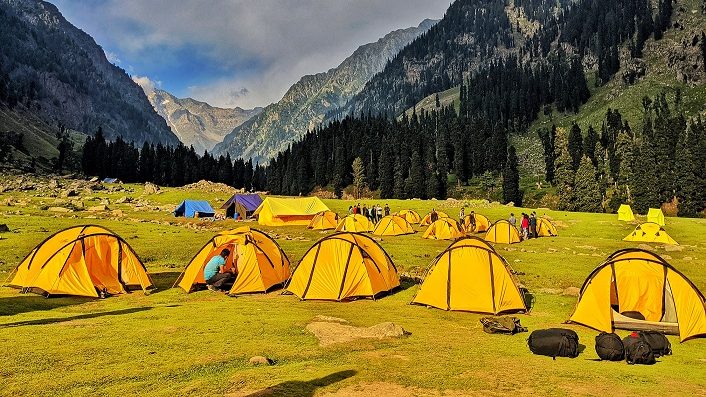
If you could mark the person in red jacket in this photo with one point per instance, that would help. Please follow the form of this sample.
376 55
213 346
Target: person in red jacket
525 226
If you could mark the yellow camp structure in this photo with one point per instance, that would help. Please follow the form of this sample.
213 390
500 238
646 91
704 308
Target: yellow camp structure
355 223
545 228
410 215
650 233
276 211
638 290
625 213
503 232
393 225
471 276
655 215
324 220
482 223
83 261
443 229
426 221
344 266
261 263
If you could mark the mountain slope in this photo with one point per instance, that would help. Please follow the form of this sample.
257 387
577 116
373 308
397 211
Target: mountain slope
196 123
307 102
51 69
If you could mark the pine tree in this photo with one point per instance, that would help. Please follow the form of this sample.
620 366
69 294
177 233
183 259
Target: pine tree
564 177
386 172
589 144
689 176
414 185
399 180
575 146
587 193
511 179
548 136
625 181
358 177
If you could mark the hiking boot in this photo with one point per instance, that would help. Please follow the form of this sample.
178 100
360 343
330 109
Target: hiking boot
212 288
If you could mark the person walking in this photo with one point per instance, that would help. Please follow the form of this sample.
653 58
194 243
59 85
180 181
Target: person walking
387 210
472 221
533 225
462 214
378 211
525 226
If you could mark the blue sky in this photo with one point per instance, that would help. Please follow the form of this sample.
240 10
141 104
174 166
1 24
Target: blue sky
237 52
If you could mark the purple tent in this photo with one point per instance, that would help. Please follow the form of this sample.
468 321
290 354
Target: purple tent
242 204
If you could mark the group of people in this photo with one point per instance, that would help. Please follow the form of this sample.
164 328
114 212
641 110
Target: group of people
528 224
375 212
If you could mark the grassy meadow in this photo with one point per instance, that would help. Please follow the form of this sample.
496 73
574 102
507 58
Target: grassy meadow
171 343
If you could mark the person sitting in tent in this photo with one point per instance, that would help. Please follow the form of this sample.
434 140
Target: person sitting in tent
433 216
215 272
512 219
387 210
238 217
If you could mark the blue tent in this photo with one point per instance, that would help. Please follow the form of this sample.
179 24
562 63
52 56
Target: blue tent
190 209
242 204
111 180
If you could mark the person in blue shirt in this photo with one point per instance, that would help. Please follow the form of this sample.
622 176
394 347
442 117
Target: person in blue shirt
215 272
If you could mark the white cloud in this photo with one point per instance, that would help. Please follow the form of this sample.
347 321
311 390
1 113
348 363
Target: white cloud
263 46
146 83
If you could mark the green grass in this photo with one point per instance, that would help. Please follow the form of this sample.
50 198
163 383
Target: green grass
172 343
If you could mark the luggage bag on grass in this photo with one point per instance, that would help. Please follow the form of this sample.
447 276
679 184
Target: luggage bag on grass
637 351
554 342
658 342
502 325
609 347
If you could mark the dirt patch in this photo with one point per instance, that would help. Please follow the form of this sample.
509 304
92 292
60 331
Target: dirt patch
329 333
394 390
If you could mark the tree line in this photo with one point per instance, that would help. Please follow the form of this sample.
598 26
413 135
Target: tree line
165 165
663 162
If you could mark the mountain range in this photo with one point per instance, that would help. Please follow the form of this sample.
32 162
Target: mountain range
306 104
197 123
55 72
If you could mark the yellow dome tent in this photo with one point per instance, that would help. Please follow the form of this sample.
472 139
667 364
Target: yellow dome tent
650 233
443 229
625 213
82 261
482 223
427 219
471 276
355 223
275 211
655 215
638 281
545 228
393 225
343 266
410 215
261 263
503 232
324 220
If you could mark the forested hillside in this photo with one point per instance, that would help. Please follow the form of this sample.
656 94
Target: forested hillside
54 72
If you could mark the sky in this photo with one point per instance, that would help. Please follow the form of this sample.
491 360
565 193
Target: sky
242 53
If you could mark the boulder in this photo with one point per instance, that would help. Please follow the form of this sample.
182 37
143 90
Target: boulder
260 360
117 213
98 208
124 199
4 228
59 209
673 248
151 188
69 193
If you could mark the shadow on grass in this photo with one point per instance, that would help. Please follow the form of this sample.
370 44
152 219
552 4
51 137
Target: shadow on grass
296 388
46 321
27 303
163 281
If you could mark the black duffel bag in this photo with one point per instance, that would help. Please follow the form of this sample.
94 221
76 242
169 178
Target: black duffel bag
609 347
637 351
658 342
554 342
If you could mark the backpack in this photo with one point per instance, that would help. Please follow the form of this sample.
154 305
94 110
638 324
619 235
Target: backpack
502 325
609 347
637 351
554 342
658 342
